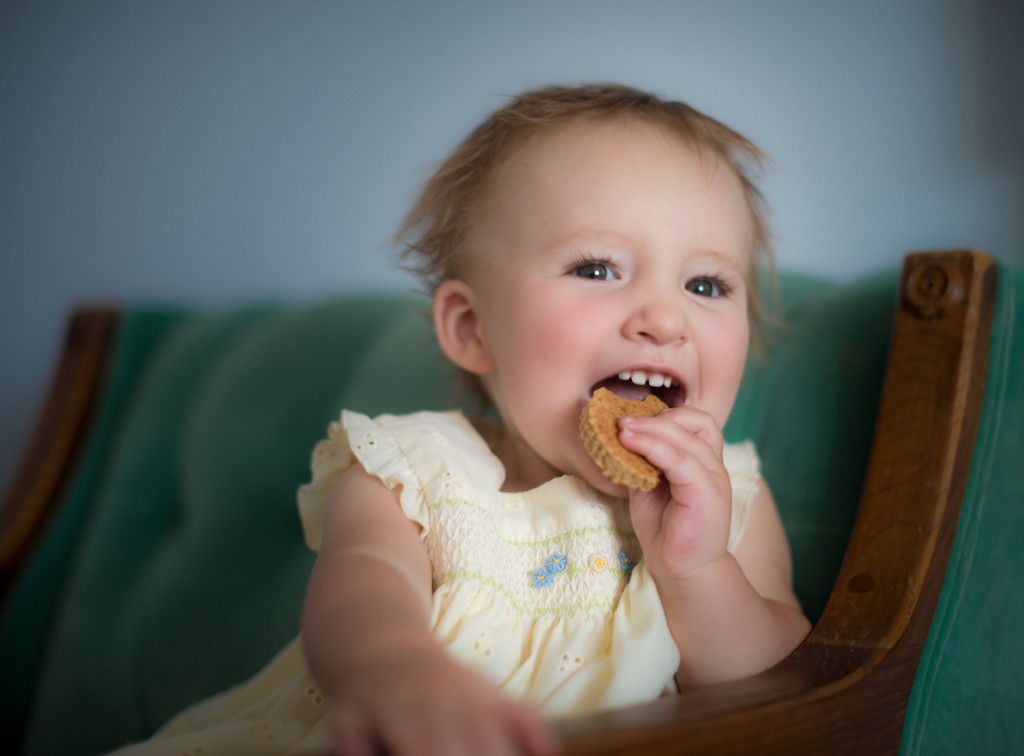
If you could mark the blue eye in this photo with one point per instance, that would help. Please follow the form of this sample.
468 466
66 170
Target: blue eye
706 286
594 270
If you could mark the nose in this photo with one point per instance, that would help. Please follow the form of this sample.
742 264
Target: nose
658 321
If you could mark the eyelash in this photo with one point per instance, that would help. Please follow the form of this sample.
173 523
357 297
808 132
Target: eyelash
717 281
590 261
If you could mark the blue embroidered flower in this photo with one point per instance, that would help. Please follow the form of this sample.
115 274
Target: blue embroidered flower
555 564
542 578
626 563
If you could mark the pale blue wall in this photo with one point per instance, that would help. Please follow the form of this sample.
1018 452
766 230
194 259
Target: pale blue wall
210 152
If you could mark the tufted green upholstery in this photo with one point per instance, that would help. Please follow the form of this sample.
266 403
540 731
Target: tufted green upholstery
176 565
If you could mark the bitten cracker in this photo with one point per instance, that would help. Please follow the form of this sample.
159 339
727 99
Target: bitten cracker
600 433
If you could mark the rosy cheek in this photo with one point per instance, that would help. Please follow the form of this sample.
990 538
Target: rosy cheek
723 354
555 331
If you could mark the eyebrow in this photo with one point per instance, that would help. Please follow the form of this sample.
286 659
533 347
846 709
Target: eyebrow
592 236
722 258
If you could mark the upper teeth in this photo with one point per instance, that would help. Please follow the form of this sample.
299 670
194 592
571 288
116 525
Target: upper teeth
641 377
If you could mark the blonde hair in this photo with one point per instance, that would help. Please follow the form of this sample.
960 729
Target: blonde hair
435 229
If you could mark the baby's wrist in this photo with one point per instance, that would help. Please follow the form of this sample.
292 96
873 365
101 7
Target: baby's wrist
709 579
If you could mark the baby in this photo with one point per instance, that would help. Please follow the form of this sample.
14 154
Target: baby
476 578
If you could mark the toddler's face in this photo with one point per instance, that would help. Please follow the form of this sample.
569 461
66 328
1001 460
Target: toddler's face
604 251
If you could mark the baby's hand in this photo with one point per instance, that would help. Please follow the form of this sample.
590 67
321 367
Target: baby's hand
683 524
420 701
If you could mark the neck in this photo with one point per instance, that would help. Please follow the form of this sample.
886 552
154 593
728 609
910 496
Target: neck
524 469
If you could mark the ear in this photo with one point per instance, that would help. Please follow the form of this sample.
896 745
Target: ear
458 327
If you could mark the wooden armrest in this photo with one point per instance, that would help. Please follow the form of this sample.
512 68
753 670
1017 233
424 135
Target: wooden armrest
44 469
846 688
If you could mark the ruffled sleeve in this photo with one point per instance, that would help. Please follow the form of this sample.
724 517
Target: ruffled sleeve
744 467
370 442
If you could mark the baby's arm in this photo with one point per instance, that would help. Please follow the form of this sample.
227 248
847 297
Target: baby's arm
738 615
731 615
366 635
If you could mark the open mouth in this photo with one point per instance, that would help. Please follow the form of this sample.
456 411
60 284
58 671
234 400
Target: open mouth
637 384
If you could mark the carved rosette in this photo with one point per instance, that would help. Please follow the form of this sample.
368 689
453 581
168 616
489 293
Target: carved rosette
934 287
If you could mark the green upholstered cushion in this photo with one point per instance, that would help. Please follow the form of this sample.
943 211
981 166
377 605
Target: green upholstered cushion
31 605
192 566
810 407
189 568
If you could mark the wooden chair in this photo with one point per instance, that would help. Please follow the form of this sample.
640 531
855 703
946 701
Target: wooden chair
846 689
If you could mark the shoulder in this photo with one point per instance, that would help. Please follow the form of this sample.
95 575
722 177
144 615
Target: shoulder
440 430
742 460
378 448
743 465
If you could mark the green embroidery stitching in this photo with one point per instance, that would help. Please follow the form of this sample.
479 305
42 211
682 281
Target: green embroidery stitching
549 541
608 563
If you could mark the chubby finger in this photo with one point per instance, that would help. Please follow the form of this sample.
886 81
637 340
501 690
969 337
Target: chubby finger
533 732
663 442
352 735
510 728
698 422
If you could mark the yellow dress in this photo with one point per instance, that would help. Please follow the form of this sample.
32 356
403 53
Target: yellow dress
544 592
